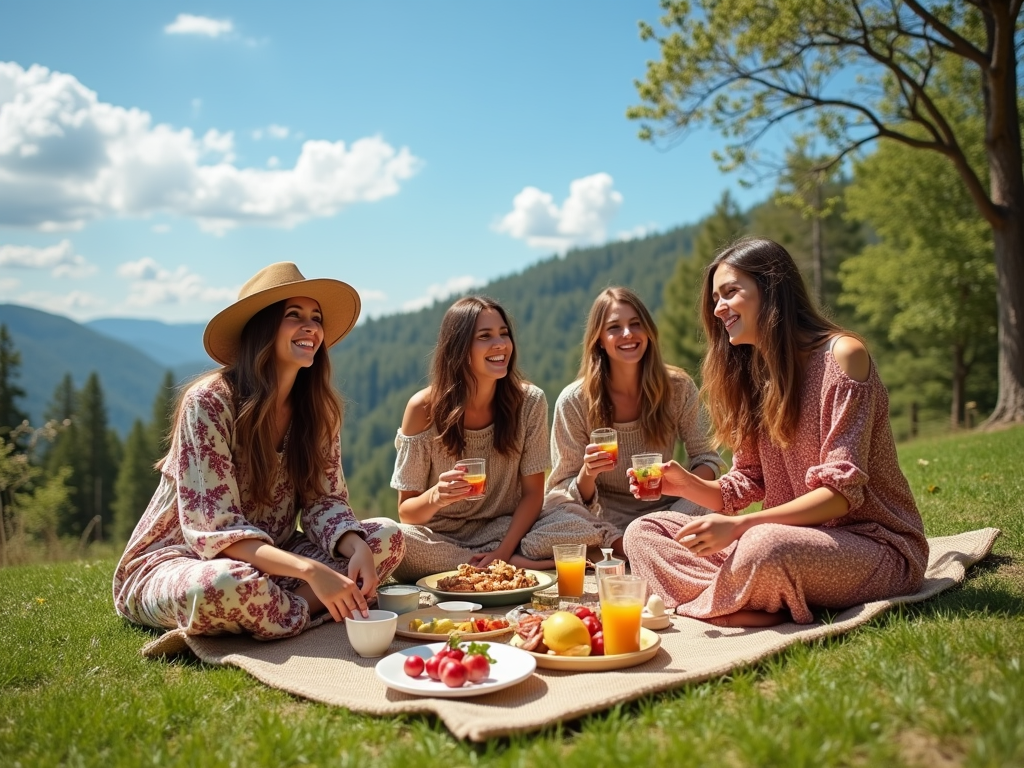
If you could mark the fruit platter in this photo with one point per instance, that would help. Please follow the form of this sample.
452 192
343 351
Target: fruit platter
455 669
575 641
433 624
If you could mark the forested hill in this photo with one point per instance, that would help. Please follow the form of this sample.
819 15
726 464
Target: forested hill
382 362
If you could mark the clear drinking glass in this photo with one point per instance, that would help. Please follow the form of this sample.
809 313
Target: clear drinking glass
608 441
571 564
622 601
647 467
476 476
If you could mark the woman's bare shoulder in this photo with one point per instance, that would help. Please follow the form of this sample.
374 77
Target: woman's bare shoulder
852 357
417 413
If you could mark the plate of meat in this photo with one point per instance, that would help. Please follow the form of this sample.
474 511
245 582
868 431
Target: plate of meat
497 584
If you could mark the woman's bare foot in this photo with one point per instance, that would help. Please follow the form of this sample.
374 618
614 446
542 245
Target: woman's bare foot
535 565
750 619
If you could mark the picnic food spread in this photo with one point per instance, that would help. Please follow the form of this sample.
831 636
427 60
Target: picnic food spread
499 576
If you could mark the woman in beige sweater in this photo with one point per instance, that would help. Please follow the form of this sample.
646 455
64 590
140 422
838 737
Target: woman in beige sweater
477 406
623 383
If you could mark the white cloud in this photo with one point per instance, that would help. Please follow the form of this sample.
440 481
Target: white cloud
8 284
371 294
438 292
161 229
582 219
61 259
277 131
638 232
187 24
153 284
67 158
273 161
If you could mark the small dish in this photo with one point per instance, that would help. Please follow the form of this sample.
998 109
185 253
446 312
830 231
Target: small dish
512 666
459 606
426 614
655 622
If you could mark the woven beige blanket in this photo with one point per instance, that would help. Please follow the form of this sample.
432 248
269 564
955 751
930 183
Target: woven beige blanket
320 665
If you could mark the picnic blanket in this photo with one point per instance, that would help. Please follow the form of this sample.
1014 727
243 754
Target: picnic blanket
320 664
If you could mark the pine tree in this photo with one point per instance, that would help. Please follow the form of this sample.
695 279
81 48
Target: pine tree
679 324
160 425
98 459
136 481
10 361
63 405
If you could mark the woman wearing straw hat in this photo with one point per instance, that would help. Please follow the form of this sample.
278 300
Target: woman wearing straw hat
255 448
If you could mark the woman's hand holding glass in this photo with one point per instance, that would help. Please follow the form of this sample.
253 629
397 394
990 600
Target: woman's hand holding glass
451 487
674 479
596 460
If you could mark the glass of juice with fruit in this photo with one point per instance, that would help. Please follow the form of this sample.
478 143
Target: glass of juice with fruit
622 601
571 563
647 468
476 476
608 441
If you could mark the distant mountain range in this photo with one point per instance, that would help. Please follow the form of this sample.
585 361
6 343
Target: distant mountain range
52 346
170 345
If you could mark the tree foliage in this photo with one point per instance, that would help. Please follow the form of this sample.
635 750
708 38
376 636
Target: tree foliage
679 323
11 416
748 67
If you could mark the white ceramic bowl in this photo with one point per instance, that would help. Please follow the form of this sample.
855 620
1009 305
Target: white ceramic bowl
459 606
371 636
400 598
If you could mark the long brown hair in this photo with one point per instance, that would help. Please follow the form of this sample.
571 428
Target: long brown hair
451 379
752 390
595 371
317 412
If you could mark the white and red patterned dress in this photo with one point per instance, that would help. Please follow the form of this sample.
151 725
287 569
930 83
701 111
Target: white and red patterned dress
877 550
171 576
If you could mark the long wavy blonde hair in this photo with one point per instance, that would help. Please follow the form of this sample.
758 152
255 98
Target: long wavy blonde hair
595 371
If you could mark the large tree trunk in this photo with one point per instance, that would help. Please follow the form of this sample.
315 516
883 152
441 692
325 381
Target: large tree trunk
1002 144
1009 253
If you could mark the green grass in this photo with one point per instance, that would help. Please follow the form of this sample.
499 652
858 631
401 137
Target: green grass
935 684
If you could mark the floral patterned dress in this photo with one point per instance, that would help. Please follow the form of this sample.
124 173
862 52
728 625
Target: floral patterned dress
876 551
171 574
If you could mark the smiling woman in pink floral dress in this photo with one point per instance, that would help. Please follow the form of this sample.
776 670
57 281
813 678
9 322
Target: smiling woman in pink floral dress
255 448
800 401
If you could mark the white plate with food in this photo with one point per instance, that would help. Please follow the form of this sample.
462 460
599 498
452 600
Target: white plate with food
440 623
511 666
485 588
650 642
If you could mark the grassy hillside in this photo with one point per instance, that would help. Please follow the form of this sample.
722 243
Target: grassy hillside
382 362
940 683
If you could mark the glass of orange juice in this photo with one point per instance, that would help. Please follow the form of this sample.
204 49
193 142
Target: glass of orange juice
647 467
608 441
622 600
571 564
476 476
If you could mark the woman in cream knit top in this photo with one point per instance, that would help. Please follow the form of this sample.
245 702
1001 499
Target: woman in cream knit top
623 384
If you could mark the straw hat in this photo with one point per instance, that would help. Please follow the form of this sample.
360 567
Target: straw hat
338 301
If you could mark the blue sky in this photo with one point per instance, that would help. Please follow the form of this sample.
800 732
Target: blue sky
154 155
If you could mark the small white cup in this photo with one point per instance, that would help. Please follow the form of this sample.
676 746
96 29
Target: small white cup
399 598
371 636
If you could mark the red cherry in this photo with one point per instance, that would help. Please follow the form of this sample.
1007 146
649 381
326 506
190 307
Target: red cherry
582 612
477 667
453 674
433 667
593 624
414 666
597 644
